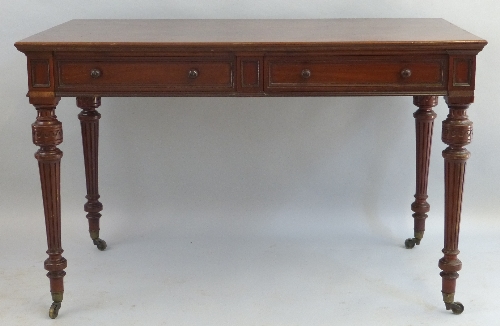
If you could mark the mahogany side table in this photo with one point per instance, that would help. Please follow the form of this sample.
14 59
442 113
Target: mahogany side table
90 59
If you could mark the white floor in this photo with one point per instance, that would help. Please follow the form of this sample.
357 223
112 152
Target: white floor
255 266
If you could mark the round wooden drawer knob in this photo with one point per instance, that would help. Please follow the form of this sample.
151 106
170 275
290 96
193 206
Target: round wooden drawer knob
193 73
306 73
95 73
405 73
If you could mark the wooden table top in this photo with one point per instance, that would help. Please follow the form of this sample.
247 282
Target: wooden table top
387 33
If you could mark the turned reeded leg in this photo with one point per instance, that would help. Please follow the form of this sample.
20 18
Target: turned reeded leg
89 120
457 132
424 123
47 134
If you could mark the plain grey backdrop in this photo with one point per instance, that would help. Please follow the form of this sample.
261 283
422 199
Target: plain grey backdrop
243 211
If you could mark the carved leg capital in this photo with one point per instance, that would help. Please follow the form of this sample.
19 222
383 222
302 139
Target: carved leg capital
426 101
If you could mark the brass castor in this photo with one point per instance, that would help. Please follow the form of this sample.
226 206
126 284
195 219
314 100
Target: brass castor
456 307
410 243
54 309
100 243
417 237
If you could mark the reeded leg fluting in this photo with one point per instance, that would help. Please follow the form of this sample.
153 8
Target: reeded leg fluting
89 120
457 133
424 123
47 134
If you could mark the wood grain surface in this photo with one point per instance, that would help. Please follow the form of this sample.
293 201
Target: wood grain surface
100 34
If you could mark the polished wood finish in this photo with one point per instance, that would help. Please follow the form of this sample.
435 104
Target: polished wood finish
359 74
158 74
224 34
424 123
343 56
250 74
47 134
89 121
456 133
88 59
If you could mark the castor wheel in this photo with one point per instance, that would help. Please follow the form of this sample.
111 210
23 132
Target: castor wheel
100 243
410 243
457 308
54 309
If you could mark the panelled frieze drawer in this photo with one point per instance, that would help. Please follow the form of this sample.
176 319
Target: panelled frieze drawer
175 74
322 73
